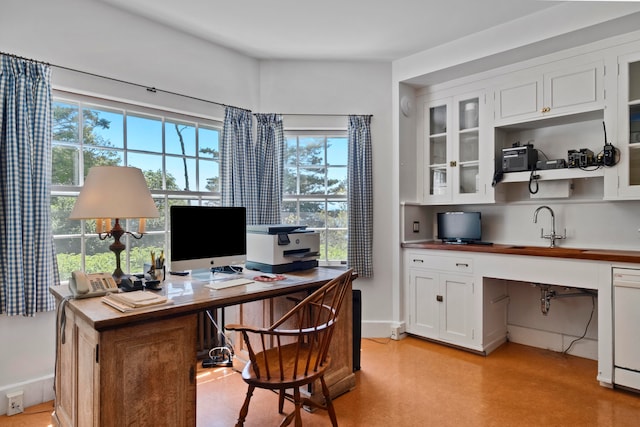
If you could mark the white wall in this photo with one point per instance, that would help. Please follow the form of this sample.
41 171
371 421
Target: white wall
346 88
93 37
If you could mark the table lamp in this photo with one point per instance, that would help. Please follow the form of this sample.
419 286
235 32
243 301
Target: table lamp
115 192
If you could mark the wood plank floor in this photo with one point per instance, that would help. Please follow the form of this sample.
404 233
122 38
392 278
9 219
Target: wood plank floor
417 383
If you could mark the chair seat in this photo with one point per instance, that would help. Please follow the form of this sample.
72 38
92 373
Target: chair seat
283 378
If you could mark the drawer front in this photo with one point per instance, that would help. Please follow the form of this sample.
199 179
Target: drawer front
438 262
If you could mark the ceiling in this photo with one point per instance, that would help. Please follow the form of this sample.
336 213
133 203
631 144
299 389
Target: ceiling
367 30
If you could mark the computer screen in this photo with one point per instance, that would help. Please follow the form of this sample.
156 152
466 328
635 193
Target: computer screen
459 227
206 237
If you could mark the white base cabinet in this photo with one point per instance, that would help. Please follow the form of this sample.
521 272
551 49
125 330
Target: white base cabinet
440 300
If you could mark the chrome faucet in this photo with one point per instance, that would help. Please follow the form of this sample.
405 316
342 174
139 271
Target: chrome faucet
553 236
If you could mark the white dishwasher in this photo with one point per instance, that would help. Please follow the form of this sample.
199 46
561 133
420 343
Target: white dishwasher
626 318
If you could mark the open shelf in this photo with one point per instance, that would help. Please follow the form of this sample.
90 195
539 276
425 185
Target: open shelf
553 174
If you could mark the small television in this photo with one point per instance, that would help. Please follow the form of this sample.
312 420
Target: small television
459 227
207 237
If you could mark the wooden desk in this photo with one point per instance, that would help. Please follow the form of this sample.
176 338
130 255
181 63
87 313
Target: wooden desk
138 368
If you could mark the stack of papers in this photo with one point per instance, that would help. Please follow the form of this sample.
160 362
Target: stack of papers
130 300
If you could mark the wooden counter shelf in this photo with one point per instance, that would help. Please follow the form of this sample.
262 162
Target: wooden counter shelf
609 255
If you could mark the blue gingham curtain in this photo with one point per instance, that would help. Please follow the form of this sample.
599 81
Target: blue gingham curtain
238 163
27 257
360 196
270 147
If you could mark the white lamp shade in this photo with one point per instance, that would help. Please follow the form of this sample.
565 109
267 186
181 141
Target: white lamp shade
114 192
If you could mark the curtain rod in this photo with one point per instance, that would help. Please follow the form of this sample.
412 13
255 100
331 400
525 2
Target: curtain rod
23 58
156 90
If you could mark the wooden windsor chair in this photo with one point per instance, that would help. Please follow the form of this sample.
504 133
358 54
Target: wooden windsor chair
294 351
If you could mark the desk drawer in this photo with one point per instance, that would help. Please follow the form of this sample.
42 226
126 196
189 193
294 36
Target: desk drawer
439 262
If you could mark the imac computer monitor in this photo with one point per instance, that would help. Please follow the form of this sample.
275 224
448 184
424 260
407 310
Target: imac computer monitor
207 237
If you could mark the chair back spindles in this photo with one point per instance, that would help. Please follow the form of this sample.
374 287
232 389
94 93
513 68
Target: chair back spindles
294 351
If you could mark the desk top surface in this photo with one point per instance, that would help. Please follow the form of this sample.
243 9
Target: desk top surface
187 295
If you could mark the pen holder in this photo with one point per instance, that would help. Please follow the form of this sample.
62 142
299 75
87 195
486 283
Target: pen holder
154 272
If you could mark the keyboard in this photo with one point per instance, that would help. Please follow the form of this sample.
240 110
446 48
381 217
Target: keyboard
228 283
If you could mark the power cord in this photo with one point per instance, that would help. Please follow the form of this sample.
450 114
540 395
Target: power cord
533 181
221 356
593 309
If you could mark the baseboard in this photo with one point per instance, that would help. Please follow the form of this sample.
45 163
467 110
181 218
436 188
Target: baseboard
381 329
36 391
587 348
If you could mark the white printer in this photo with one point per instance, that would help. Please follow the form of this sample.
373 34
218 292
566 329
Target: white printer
278 248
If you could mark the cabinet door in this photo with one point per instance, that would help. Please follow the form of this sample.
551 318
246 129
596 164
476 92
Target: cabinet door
456 309
472 165
457 157
519 100
536 95
629 127
424 317
574 90
437 151
147 372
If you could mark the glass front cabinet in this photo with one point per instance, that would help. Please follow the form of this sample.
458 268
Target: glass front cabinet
629 127
458 159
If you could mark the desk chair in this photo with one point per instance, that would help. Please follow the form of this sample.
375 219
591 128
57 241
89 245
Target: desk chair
293 352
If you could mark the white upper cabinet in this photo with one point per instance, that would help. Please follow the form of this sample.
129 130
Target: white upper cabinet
629 126
457 151
538 94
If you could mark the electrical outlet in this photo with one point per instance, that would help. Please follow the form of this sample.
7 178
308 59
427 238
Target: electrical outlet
396 331
15 403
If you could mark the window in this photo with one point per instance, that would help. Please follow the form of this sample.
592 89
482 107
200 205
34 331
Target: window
315 188
178 154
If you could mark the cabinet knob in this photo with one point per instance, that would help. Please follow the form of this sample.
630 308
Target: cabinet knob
461 264
545 109
439 298
453 163
418 260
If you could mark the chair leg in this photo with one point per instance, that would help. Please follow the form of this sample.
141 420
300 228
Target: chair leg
298 402
245 407
281 401
328 403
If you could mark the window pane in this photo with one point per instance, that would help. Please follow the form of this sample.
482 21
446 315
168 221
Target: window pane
291 153
290 184
311 151
140 251
337 180
312 181
312 214
336 245
68 255
65 122
65 165
209 176
337 151
61 207
337 214
182 173
144 134
289 214
180 139
102 128
209 143
98 257
101 157
151 166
